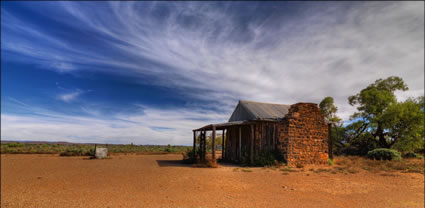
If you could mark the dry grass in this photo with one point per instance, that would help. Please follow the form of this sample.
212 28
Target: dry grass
388 174
320 170
207 164
288 169
352 164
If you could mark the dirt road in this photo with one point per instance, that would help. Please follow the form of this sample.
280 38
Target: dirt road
163 181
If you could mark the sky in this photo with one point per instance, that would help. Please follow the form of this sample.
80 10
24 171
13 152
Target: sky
150 72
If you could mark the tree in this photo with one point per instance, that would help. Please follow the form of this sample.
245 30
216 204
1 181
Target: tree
383 118
328 110
405 124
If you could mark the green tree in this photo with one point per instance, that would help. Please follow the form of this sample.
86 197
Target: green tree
405 124
329 110
218 142
383 120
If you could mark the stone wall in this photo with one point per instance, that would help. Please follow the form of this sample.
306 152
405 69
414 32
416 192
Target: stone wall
303 135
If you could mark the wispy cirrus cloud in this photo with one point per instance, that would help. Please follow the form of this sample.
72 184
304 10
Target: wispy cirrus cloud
68 97
320 51
217 53
148 126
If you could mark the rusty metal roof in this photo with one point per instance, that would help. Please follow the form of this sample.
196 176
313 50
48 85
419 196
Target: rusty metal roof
249 110
246 112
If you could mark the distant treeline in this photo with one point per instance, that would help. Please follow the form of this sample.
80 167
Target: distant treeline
71 149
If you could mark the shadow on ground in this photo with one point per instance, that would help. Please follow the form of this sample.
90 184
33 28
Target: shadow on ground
173 163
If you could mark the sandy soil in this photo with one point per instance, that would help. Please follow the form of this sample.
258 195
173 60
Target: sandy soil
163 181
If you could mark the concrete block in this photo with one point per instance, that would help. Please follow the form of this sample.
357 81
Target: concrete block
101 152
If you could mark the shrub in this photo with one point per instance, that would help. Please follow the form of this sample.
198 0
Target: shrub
268 158
207 164
384 154
169 148
413 155
76 152
245 159
15 144
91 152
9 150
330 162
188 156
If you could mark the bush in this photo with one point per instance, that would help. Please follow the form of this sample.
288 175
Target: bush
188 156
384 154
169 148
91 152
207 164
268 158
413 155
15 144
330 162
76 152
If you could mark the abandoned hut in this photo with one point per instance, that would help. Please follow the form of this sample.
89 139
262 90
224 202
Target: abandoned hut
298 133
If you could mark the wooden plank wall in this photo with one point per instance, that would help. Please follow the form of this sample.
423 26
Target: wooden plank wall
266 138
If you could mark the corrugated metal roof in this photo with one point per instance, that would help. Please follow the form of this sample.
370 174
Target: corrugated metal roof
249 110
223 125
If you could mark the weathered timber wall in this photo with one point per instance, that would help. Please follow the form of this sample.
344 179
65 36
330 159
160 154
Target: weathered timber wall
232 142
265 139
266 136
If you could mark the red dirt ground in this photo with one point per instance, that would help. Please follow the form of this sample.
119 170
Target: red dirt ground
163 181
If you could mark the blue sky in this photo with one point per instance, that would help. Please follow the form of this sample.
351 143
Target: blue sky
150 72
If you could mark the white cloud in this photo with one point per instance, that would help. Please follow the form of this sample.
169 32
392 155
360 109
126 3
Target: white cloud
333 51
69 97
137 128
402 96
328 50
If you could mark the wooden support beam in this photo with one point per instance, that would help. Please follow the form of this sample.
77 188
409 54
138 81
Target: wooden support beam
194 145
204 146
273 137
276 135
261 136
222 145
201 146
213 143
252 145
240 143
